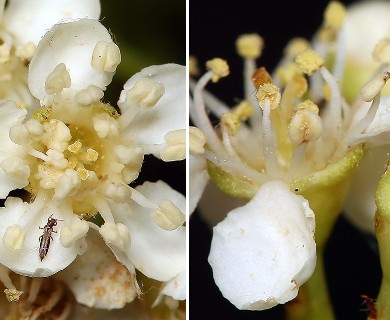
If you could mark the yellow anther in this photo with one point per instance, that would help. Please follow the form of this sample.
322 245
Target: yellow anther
218 67
244 110
230 123
373 87
12 294
167 216
326 35
83 173
305 126
296 46
309 61
300 85
92 155
250 45
193 66
307 104
25 52
334 15
261 76
286 73
268 91
197 140
75 147
382 51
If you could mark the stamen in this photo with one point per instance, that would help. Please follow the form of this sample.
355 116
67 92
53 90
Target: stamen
201 119
14 237
16 167
105 126
90 95
229 127
197 140
19 134
219 69
244 110
75 147
250 46
305 126
102 206
175 147
117 192
296 46
334 15
309 61
10 292
116 234
167 216
57 80
106 56
268 93
73 232
56 136
141 200
128 154
35 287
25 52
374 86
67 184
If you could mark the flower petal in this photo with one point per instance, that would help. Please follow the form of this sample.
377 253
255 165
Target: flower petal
169 114
262 252
28 20
72 44
199 177
97 279
20 243
176 288
157 253
10 115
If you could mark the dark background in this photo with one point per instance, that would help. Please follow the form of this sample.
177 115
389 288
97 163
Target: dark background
351 258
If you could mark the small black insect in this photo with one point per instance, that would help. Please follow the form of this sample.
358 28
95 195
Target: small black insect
45 238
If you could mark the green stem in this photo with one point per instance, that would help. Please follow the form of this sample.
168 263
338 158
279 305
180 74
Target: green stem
313 300
382 231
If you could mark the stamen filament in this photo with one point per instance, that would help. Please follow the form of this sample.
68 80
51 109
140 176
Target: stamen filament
141 200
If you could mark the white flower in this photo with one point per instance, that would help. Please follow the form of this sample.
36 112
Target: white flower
76 156
23 23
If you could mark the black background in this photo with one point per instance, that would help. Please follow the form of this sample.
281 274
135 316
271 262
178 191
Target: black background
351 258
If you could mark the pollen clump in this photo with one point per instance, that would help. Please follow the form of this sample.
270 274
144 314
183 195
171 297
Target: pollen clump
250 45
218 67
268 91
309 61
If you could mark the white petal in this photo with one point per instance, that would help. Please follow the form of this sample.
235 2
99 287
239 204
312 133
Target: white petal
97 279
360 205
28 20
199 177
10 115
176 288
169 114
73 44
262 252
157 253
25 260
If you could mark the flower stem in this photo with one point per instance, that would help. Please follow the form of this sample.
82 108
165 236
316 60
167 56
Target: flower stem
313 300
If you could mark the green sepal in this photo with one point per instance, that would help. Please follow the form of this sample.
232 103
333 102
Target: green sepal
234 186
326 190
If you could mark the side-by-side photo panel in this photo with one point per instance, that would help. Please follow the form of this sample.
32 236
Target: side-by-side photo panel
288 166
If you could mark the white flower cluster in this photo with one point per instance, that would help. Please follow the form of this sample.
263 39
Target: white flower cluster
77 157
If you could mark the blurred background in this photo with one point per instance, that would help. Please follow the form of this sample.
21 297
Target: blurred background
148 32
352 261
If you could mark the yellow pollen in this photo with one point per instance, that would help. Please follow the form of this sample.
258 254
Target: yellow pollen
75 147
261 76
268 91
218 67
250 45
286 73
244 110
296 46
309 61
307 104
83 173
92 155
230 123
334 15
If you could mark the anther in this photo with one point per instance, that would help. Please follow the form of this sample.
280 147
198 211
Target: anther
26 51
305 126
334 15
67 184
261 76
73 232
197 140
106 56
296 46
175 146
230 124
16 168
117 192
57 80
250 46
244 110
167 216
56 135
14 237
309 61
116 234
90 95
146 92
268 91
218 67
19 134
75 147
307 104
127 154
105 125
374 86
